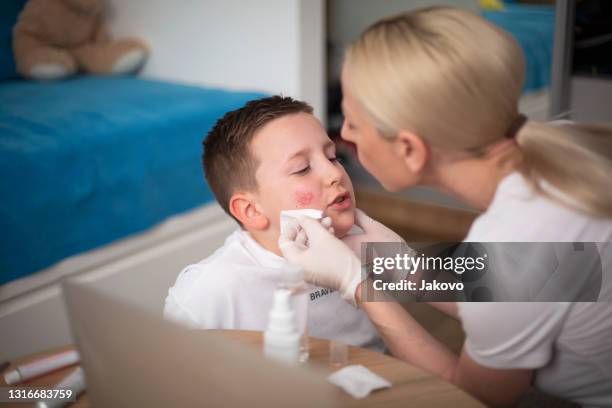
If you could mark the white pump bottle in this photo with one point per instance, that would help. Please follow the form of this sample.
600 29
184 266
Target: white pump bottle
282 339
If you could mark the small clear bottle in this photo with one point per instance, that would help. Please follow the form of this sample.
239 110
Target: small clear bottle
293 281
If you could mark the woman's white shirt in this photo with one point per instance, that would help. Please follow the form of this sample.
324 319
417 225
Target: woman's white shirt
569 344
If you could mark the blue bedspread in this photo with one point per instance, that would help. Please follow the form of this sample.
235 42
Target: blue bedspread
533 27
89 160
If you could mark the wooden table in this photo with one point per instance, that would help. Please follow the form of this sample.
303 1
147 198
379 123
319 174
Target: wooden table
411 385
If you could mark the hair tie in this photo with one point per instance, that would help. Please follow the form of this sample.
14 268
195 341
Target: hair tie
516 126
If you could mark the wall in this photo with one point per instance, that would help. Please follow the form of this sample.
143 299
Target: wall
590 99
275 46
346 19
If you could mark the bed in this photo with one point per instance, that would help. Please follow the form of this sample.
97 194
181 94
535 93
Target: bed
102 182
92 159
533 28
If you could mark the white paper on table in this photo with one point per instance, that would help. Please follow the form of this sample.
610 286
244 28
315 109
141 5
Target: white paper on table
357 380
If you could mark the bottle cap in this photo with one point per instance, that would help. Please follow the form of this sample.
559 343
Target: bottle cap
282 316
281 300
12 377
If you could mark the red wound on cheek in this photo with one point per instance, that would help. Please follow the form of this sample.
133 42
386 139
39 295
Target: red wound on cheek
303 199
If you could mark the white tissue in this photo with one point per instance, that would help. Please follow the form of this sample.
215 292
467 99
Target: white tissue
288 216
357 380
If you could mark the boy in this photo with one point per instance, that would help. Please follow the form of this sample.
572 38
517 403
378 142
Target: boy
270 155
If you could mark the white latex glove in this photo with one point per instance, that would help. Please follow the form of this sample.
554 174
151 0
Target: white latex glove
301 239
374 231
326 260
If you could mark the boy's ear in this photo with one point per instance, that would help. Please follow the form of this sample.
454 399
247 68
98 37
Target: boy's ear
245 208
412 150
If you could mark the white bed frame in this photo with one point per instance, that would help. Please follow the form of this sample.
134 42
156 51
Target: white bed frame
139 268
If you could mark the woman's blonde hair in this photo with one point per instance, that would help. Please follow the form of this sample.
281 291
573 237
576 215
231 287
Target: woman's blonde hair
455 80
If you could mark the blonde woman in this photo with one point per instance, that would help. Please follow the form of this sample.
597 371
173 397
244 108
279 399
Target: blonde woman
430 98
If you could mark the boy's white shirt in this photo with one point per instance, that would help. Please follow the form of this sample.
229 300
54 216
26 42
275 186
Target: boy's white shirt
233 289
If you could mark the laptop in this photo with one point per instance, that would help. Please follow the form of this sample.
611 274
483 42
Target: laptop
134 358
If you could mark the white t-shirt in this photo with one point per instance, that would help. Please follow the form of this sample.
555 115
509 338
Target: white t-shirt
569 344
233 289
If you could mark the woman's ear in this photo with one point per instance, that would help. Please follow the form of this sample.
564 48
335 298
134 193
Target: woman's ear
412 150
245 208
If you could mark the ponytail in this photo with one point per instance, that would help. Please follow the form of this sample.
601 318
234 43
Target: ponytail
574 158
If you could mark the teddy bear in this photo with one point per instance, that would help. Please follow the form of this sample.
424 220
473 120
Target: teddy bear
53 39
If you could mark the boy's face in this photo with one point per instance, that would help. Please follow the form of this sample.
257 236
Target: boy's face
298 169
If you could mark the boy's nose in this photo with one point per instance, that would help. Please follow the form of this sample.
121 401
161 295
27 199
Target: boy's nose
333 174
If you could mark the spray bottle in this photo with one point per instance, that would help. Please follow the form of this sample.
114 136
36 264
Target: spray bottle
281 339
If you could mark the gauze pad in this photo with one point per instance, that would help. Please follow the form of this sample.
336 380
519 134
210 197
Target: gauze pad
287 217
357 380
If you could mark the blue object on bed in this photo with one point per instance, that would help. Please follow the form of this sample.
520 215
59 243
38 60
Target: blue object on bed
533 27
9 10
92 159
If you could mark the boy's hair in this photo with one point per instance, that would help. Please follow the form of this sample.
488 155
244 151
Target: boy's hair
228 162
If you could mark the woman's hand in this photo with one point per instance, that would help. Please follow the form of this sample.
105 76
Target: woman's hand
373 231
326 260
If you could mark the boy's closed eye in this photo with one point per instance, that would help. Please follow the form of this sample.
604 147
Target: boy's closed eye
305 169
302 171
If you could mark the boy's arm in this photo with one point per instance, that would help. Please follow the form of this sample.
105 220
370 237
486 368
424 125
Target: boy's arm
174 311
199 299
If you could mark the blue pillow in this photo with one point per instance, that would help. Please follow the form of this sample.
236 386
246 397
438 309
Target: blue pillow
9 9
